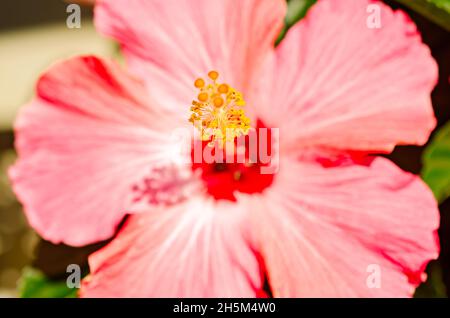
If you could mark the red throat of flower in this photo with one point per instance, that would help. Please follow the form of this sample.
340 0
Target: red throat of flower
219 117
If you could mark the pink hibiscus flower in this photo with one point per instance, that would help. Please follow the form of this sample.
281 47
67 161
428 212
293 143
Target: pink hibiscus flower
96 145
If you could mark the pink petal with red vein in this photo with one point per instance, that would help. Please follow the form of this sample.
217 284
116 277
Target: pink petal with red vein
336 82
324 231
87 137
197 249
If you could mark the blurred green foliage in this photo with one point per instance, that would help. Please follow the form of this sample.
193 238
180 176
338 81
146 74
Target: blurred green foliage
34 284
434 287
297 9
436 164
437 11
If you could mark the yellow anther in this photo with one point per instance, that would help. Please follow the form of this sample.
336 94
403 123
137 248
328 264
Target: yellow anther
199 83
203 97
213 75
218 113
223 88
218 101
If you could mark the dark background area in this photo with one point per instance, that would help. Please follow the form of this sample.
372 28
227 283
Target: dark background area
25 13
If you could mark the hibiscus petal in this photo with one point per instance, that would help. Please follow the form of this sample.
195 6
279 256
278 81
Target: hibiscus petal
82 143
336 82
170 43
332 232
196 249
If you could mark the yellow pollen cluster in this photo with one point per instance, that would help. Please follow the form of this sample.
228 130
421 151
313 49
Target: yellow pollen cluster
218 111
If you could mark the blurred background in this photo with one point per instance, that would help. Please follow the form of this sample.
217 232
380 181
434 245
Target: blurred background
34 34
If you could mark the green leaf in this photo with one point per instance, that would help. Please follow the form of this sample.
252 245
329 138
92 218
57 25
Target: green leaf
434 286
34 284
437 11
297 9
436 164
